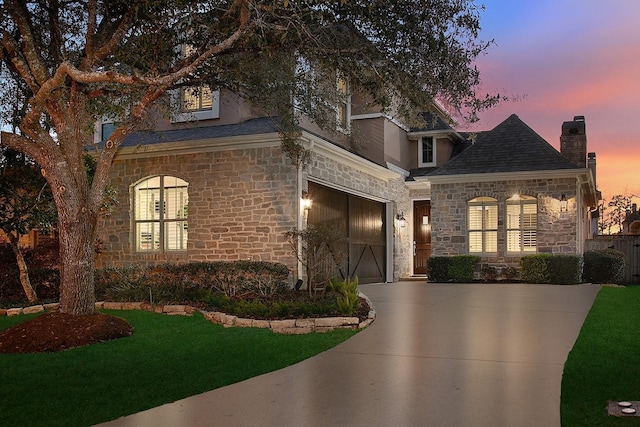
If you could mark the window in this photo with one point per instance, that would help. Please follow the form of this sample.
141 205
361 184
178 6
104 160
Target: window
160 214
522 224
196 102
107 130
196 99
483 225
344 104
427 152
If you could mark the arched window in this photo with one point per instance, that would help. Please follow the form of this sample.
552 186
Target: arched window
522 224
482 222
161 207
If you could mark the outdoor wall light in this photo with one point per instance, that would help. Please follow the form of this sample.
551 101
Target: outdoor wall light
305 201
402 221
563 203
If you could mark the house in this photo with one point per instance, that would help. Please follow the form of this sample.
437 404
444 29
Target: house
631 224
212 183
510 194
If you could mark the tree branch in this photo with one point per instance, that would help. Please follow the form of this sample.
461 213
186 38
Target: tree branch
20 15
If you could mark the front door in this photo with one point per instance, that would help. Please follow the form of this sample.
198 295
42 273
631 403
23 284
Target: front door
421 235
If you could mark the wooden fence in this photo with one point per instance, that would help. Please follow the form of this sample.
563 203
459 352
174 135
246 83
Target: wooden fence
629 245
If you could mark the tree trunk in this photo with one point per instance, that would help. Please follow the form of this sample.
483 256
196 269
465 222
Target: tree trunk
22 268
77 264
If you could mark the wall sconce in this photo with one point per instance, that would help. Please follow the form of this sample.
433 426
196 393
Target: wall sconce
306 201
402 221
425 220
563 203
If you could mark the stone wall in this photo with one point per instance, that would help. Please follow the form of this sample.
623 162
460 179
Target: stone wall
241 202
556 231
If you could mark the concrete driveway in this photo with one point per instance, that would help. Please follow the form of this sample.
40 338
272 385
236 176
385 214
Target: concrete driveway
437 355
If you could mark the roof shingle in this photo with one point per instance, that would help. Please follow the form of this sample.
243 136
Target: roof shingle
512 146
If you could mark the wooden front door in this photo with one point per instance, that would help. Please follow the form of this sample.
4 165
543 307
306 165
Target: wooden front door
421 235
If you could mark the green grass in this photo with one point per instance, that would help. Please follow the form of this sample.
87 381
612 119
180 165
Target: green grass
604 363
166 359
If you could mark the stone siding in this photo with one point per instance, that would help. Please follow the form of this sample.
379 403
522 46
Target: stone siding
556 232
241 202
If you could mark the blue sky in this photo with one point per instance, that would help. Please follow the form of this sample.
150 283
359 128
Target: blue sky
564 58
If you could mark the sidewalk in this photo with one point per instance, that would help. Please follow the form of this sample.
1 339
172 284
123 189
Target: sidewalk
437 355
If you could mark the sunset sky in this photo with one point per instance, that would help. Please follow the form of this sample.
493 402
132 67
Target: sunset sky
566 58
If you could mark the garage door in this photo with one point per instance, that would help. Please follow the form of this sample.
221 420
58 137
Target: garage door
361 250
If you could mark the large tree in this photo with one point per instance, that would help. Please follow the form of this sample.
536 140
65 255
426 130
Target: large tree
68 64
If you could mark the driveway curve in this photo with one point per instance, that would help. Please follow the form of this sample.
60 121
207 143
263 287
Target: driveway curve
437 355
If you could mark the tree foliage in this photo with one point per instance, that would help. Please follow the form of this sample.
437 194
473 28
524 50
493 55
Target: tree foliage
25 204
66 65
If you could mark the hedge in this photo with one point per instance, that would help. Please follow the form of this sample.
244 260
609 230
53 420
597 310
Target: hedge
458 268
565 269
604 266
462 267
187 282
535 268
438 269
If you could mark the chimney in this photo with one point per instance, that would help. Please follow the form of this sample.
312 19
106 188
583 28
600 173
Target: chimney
591 164
573 141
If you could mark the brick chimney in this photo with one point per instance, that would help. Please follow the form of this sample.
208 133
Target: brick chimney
573 141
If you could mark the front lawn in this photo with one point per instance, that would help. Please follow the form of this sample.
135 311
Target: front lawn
604 363
166 359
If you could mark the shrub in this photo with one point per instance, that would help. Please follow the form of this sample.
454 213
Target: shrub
348 299
461 267
565 269
510 273
189 282
535 268
604 266
488 273
438 269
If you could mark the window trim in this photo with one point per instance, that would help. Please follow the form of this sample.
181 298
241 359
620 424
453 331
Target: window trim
162 221
521 201
421 163
195 115
484 204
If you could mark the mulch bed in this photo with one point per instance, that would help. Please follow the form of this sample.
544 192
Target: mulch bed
55 331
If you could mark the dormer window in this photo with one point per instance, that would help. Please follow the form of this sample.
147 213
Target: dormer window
427 151
197 102
196 99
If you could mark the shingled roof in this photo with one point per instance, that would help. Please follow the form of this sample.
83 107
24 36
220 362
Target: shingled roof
512 146
249 127
433 122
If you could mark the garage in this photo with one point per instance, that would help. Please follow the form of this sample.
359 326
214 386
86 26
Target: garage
361 249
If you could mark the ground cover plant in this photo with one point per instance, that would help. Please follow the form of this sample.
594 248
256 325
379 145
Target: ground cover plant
166 359
604 363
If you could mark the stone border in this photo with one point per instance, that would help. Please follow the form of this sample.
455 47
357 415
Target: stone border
286 326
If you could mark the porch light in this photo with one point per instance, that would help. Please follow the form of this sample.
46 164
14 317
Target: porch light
402 221
305 201
563 203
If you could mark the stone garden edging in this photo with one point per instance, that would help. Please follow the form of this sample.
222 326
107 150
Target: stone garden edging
285 326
